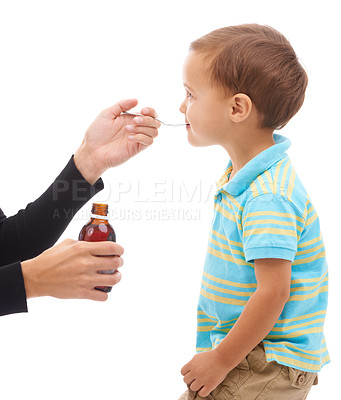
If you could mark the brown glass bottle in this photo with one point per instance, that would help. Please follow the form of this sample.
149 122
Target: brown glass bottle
98 229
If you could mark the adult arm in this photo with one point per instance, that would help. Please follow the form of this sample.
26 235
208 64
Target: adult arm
108 142
37 227
12 290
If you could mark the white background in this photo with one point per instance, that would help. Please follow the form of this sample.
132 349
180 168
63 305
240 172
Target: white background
61 64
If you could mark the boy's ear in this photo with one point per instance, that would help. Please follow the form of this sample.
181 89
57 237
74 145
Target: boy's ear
241 107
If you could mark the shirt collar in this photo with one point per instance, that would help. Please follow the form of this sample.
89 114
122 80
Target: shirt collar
257 165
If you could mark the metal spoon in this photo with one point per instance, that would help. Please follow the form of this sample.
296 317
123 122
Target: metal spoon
141 115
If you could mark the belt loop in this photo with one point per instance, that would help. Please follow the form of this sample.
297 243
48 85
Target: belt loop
316 380
243 364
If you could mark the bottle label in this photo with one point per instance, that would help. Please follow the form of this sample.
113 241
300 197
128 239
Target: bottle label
99 216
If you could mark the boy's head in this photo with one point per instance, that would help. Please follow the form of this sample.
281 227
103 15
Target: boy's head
245 74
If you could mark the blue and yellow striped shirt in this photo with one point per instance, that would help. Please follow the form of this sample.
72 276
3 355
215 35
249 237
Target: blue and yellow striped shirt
265 212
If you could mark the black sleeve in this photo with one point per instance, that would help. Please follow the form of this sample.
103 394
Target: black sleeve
12 290
36 228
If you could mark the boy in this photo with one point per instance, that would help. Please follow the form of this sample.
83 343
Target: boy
264 290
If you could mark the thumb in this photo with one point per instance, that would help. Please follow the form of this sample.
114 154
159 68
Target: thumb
115 110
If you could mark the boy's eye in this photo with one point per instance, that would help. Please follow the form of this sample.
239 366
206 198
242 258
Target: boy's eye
188 94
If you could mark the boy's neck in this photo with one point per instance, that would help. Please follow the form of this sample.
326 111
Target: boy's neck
242 146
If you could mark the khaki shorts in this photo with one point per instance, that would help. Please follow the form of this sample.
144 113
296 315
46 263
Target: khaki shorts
255 378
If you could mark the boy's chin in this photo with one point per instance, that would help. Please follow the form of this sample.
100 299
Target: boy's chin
196 142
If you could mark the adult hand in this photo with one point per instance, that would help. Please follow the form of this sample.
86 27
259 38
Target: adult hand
69 270
114 138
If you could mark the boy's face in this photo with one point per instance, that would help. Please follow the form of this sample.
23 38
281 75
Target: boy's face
205 107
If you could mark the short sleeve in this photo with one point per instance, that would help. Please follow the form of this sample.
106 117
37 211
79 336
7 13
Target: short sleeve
271 227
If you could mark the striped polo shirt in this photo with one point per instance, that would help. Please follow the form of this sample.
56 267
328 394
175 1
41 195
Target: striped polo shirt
265 212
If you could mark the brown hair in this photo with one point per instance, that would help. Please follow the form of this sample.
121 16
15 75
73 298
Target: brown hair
258 61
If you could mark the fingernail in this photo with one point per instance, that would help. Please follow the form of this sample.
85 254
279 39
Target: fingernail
130 136
138 120
129 127
145 110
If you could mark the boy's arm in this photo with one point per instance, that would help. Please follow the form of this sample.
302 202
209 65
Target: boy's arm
206 370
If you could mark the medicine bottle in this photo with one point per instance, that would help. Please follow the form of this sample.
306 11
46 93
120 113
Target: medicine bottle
98 229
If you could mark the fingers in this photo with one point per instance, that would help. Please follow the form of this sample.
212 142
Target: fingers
151 132
149 112
96 295
126 105
89 291
99 248
115 110
185 369
195 386
144 130
107 280
107 263
189 379
204 392
140 138
145 122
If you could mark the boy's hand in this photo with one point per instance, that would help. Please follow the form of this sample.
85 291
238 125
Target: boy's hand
113 138
205 371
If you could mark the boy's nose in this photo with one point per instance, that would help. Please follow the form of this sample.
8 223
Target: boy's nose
183 107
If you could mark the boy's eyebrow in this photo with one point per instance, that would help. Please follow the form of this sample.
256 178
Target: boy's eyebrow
188 87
